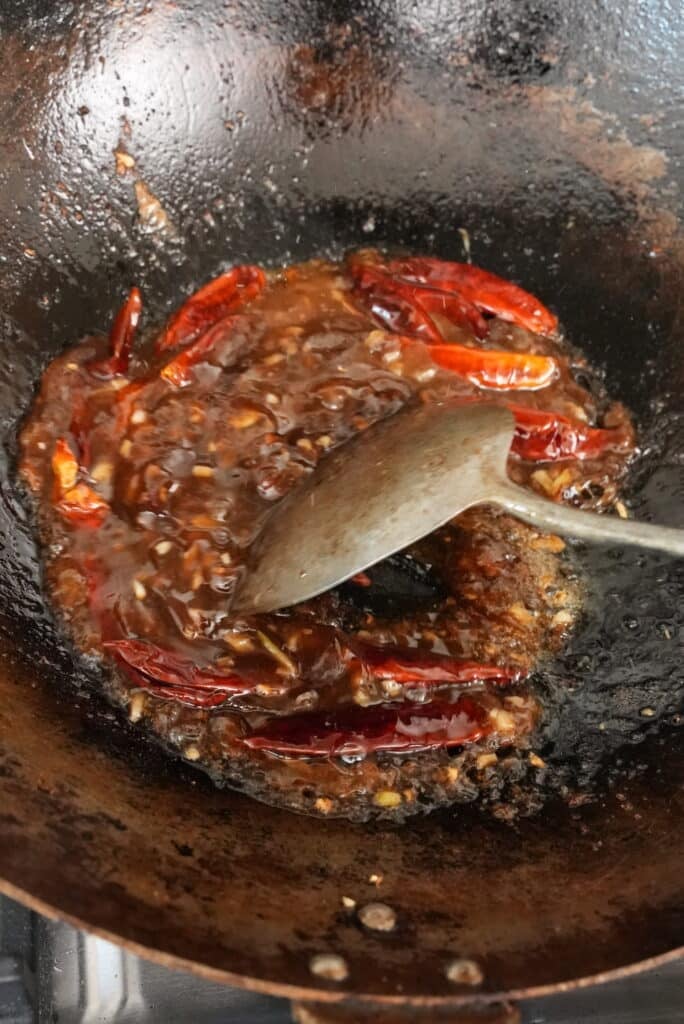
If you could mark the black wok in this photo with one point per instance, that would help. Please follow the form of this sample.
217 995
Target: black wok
272 132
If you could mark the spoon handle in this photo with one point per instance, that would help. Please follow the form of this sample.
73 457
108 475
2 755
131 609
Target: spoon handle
587 525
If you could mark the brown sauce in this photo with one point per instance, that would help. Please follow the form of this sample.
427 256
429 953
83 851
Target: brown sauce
179 464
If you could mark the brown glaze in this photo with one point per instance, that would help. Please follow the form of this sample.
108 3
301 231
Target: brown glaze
155 476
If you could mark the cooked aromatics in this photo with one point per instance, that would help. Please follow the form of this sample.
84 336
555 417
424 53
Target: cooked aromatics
154 467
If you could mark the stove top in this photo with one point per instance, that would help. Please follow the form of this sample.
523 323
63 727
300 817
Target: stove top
51 973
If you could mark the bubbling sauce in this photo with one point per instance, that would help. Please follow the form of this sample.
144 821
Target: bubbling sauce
153 469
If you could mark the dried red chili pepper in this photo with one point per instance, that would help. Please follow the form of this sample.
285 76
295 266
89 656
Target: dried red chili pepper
412 665
121 338
64 466
191 698
179 370
83 506
74 499
79 428
224 295
542 436
403 307
167 669
485 290
489 368
353 731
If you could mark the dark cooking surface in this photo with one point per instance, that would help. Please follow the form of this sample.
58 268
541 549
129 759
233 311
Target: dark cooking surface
549 128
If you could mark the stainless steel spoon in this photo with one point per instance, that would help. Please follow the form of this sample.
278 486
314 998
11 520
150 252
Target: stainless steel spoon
397 482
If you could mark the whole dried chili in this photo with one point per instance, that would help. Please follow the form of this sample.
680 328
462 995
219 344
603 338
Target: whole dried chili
483 289
412 665
403 307
542 436
168 669
354 731
225 294
488 368
121 338
179 370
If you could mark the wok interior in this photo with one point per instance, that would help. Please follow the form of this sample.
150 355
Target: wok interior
272 148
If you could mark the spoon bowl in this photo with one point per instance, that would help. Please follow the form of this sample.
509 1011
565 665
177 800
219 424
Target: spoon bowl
397 482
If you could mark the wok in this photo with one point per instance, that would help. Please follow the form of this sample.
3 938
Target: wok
540 133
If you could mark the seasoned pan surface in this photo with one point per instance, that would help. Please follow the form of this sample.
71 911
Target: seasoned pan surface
269 139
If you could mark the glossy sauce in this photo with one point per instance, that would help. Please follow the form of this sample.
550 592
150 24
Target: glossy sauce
189 457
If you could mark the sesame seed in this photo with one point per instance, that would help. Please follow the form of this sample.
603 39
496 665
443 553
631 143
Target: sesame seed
203 471
136 707
125 448
140 590
387 798
163 547
138 416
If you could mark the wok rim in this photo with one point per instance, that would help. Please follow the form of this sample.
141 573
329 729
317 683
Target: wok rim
278 989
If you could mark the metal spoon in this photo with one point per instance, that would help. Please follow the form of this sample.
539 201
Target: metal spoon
398 481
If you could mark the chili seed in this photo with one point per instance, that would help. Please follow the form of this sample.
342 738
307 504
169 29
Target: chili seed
163 547
138 416
240 642
503 720
203 471
387 798
548 542
102 471
486 760
136 707
140 590
245 418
